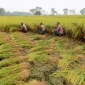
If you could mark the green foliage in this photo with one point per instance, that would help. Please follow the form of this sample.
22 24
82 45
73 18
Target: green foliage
37 57
8 80
21 40
2 11
6 71
75 77
48 29
7 28
8 62
5 51
37 13
13 29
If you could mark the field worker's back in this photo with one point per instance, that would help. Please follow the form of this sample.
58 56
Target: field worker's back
23 27
43 27
60 29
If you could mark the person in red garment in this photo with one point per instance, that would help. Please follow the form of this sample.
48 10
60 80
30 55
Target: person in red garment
59 30
83 35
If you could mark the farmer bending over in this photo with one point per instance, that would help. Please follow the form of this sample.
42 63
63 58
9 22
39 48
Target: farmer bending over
23 28
41 29
58 31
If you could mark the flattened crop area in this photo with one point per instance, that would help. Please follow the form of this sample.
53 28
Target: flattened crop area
34 59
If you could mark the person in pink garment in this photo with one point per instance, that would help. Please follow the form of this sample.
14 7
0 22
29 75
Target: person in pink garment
59 30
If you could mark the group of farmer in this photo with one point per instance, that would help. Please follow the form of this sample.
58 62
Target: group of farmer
58 30
41 29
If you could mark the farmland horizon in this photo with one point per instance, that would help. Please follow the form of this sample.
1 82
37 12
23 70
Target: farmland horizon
25 5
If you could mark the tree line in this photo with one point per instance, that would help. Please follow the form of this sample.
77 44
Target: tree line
39 11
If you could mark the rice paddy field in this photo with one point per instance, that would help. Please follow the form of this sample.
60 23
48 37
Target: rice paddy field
34 59
70 24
